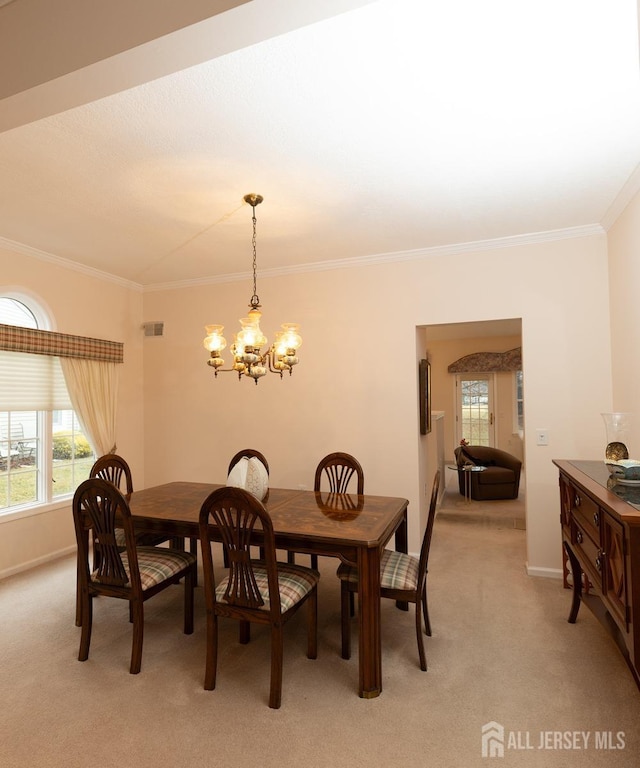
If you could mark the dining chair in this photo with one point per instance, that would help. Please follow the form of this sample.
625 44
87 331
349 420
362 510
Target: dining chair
402 577
259 591
134 574
249 453
259 490
116 470
337 469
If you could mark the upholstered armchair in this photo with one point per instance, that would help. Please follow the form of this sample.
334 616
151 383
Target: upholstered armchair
499 480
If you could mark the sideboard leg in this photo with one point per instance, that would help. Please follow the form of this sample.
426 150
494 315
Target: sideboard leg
576 573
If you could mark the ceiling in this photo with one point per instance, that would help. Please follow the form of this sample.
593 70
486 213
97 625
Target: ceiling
394 130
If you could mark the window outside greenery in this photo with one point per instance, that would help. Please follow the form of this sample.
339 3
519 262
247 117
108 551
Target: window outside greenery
44 455
474 408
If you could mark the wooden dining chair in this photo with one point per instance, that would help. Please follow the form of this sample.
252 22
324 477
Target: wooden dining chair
260 591
337 469
134 574
402 578
249 453
116 470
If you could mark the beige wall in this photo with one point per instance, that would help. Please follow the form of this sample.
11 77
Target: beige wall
356 386
87 306
624 275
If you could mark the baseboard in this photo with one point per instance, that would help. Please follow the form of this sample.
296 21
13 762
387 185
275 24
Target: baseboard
38 561
547 573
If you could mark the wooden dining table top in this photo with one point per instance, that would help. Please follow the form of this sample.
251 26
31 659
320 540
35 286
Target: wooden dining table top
319 517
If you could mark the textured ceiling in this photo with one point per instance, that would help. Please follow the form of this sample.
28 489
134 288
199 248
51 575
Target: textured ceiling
392 129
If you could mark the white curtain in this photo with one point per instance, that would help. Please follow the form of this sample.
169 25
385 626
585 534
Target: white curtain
93 391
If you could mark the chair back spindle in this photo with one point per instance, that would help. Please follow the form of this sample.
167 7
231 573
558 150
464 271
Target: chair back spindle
97 506
339 468
114 469
236 526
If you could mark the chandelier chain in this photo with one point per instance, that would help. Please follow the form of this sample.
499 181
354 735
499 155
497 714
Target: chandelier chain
255 299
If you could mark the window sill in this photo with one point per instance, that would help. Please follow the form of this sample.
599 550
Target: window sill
16 514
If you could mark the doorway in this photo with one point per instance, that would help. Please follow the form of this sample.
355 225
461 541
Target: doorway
498 402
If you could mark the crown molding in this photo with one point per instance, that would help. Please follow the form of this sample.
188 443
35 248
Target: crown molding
622 199
589 230
27 250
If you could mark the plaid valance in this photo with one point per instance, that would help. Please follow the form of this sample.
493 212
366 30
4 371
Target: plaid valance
16 339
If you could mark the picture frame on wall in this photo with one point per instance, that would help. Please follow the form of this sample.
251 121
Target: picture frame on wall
424 393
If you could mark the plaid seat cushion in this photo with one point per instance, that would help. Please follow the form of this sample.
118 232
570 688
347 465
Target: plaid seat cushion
294 582
157 564
397 571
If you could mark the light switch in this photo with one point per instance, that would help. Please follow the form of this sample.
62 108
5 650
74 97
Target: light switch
542 437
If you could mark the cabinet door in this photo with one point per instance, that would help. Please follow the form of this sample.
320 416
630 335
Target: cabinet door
615 580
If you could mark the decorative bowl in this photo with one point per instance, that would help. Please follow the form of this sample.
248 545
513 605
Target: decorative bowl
625 469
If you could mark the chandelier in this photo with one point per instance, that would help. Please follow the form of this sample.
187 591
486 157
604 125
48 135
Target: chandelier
248 357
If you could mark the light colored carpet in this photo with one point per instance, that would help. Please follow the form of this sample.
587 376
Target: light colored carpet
501 651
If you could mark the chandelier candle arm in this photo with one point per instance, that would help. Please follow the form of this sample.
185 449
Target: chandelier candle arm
248 358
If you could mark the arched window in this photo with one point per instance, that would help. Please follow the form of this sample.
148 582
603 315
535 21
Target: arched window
43 452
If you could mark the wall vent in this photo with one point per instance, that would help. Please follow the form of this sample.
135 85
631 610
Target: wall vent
153 329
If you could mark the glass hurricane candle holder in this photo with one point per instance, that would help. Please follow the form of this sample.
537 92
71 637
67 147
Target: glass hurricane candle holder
618 427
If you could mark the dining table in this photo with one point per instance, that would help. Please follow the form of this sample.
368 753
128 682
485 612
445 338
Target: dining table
352 527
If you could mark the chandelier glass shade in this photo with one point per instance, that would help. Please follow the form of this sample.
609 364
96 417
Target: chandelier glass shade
252 356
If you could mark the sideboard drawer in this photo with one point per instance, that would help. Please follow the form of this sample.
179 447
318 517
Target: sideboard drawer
589 554
587 513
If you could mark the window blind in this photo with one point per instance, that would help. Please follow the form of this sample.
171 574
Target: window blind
32 382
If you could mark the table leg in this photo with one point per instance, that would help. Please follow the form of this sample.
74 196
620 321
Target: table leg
402 542
369 641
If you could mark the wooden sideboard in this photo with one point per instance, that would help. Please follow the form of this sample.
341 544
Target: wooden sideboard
601 537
